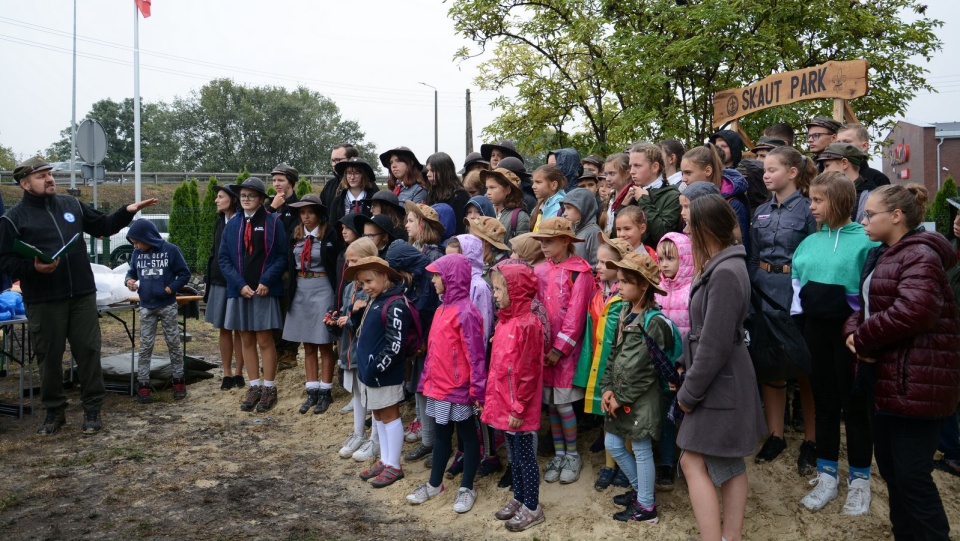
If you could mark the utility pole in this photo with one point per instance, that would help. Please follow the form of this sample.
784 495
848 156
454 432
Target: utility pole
469 125
436 122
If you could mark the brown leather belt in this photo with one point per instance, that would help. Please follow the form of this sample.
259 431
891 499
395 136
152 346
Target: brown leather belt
774 269
309 274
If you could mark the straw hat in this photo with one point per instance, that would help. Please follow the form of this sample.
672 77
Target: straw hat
619 245
503 176
641 264
556 227
373 263
488 229
425 212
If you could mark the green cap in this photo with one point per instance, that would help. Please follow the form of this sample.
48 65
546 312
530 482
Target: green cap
29 167
825 122
839 151
767 143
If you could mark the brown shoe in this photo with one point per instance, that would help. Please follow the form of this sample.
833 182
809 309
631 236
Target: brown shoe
508 511
252 398
268 399
525 519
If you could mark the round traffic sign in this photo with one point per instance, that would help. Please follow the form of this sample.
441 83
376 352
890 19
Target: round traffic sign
91 141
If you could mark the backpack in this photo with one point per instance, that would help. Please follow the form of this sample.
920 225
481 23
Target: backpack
412 341
514 216
673 353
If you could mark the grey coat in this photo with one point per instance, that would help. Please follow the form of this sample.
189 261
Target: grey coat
720 387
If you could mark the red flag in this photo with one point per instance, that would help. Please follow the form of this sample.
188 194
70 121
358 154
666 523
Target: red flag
144 7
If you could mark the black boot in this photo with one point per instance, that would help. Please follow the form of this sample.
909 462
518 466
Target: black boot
313 395
324 399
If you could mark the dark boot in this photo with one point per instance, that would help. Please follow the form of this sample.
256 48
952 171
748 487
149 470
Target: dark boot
252 398
313 395
324 399
268 399
143 393
179 389
53 421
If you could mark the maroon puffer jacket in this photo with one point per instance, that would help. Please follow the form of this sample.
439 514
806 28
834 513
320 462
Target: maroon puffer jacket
913 332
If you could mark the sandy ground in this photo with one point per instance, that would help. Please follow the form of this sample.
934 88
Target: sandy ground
202 469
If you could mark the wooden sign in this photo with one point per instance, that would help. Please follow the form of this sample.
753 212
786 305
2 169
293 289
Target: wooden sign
839 80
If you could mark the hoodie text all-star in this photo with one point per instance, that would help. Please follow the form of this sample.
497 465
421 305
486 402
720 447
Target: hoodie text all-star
159 267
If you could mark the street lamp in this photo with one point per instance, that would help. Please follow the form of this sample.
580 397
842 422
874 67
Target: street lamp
436 132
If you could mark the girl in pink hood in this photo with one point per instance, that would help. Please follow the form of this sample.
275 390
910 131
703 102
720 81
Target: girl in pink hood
676 276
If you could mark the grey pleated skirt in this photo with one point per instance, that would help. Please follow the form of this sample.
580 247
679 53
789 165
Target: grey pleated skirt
253 314
304 322
216 311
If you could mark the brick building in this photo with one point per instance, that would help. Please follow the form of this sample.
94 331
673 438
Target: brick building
922 153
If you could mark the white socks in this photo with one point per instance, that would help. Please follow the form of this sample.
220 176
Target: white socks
394 434
313 385
385 444
325 386
254 382
269 383
359 416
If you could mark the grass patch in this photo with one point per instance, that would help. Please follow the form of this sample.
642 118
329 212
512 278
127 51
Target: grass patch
129 453
10 501
82 459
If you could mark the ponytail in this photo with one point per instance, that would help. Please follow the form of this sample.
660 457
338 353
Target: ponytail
805 166
911 200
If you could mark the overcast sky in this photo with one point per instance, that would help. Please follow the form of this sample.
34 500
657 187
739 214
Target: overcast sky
367 55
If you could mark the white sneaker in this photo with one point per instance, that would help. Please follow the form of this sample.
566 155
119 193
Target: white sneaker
570 470
823 493
412 433
858 498
465 499
368 450
348 408
351 445
423 493
552 474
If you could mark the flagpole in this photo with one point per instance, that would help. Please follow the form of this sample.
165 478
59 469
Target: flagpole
136 103
73 114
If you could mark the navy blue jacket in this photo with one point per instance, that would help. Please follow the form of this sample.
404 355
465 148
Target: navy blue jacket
160 267
231 255
378 362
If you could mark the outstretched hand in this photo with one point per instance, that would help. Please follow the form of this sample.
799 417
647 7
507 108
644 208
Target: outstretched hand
134 208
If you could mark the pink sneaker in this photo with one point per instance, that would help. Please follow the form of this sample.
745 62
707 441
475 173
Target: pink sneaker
412 433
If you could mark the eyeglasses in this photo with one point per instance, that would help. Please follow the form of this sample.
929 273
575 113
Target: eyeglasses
248 197
353 174
815 136
869 215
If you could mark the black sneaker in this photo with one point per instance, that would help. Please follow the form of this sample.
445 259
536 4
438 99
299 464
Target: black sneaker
92 423
312 396
179 389
950 466
143 393
324 399
626 498
238 382
771 449
620 479
635 513
489 466
604 478
226 383
420 451
665 477
506 480
53 421
807 461
598 445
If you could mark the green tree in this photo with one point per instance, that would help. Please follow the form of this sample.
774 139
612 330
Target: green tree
224 126
607 73
303 188
939 210
183 222
244 175
206 223
8 160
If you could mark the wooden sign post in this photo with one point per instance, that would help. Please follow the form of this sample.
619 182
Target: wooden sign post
842 81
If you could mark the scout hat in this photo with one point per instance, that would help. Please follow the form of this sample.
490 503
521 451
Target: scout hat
589 177
839 151
505 146
390 198
373 263
528 248
593 159
767 143
619 245
825 122
380 220
425 212
556 227
472 159
252 183
488 229
504 177
399 152
29 167
349 221
359 163
699 188
284 169
312 200
641 264
514 165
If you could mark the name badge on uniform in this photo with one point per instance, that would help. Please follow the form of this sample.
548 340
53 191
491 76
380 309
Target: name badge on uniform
763 217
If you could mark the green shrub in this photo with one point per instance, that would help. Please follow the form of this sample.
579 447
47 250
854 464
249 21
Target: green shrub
183 221
939 210
207 220
303 188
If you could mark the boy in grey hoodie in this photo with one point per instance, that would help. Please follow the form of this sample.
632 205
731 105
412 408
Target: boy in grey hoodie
580 207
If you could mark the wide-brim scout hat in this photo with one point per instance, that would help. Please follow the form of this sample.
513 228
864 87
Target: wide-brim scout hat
312 200
508 148
399 151
372 263
425 212
824 122
355 162
839 151
527 247
641 264
516 166
619 245
380 220
768 143
503 176
349 221
488 229
552 228
390 198
472 159
287 170
252 183
29 167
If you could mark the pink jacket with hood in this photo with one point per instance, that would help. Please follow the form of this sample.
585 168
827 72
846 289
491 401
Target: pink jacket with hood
480 292
676 303
566 301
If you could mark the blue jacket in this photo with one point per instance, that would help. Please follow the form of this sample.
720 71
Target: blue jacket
568 160
734 190
160 267
483 205
377 341
231 255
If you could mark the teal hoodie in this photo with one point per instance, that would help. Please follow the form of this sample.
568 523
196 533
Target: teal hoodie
826 271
